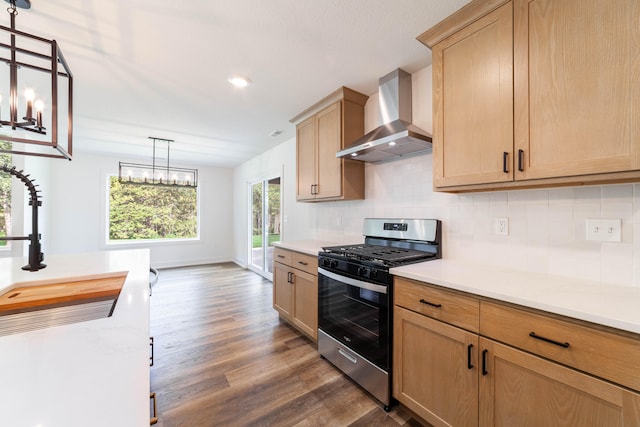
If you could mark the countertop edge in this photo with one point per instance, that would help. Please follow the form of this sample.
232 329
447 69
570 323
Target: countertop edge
605 311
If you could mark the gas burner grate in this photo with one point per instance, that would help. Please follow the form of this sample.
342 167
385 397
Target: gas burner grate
385 255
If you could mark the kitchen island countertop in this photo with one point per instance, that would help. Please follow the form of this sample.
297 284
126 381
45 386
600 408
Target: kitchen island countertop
87 373
609 305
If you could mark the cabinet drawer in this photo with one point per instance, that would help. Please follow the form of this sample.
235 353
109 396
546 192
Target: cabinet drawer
447 306
282 256
604 354
305 262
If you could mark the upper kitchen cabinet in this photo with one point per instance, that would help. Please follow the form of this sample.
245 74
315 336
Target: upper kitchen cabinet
321 131
533 93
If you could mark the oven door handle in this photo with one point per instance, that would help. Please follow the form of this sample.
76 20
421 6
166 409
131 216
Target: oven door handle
353 282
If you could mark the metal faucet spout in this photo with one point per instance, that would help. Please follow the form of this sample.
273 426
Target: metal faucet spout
35 256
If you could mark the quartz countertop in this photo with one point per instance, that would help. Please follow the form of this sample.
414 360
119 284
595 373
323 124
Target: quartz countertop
88 373
309 247
609 305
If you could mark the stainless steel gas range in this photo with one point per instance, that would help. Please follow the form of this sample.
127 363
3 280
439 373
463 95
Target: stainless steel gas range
355 297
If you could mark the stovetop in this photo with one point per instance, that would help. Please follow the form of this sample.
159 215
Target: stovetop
385 255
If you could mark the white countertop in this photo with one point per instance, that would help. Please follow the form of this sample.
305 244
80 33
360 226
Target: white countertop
309 247
609 305
93 373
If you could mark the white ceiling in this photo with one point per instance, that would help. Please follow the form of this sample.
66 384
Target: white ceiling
160 68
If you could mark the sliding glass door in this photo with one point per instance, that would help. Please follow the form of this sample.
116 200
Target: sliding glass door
264 227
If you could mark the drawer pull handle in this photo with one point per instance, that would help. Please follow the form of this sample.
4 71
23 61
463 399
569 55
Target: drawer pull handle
423 301
538 337
154 418
484 362
280 256
151 345
347 356
469 364
521 160
303 263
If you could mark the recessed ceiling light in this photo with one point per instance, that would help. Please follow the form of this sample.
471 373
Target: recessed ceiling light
239 81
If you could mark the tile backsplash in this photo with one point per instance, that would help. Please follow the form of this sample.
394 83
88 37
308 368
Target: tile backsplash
547 227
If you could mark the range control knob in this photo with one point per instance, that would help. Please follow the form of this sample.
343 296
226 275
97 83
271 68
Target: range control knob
326 262
334 263
362 271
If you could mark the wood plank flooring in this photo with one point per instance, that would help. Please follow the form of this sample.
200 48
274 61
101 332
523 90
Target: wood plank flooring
224 358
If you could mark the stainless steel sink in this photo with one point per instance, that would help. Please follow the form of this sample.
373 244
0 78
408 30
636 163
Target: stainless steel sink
48 317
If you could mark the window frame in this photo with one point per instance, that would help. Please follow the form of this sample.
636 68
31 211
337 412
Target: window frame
135 243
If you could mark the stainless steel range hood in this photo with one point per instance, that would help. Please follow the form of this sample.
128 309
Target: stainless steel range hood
397 136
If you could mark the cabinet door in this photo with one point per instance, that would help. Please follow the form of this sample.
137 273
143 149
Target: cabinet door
435 369
525 390
329 132
306 159
473 103
282 290
576 86
305 307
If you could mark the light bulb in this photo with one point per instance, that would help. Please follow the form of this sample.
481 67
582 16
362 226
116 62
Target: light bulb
38 105
29 94
239 81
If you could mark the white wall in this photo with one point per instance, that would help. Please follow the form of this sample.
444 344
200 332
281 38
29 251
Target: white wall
77 201
546 227
297 218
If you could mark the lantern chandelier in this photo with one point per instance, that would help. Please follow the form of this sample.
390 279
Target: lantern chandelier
38 62
159 172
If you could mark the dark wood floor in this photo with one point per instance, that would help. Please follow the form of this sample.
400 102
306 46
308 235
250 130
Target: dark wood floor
223 358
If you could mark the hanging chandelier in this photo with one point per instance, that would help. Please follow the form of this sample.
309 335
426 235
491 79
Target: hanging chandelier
159 172
37 68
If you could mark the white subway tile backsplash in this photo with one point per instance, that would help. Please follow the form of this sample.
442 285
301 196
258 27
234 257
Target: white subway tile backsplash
547 227
617 263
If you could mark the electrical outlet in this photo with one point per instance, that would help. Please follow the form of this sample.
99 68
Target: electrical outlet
604 230
501 226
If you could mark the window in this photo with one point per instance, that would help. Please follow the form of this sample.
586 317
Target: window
5 195
147 212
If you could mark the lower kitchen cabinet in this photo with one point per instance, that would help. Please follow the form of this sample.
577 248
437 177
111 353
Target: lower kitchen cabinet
435 369
518 388
515 367
282 290
295 289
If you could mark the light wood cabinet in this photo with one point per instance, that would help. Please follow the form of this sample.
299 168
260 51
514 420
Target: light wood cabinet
321 131
473 103
435 369
519 388
295 289
521 100
435 364
464 360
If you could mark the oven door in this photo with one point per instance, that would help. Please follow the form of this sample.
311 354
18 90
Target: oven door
356 313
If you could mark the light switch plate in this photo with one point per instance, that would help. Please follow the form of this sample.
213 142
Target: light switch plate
604 230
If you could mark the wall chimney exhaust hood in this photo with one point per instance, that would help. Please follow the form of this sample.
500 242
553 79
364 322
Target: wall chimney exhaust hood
397 136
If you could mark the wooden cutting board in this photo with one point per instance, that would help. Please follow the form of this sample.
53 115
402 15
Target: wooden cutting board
28 298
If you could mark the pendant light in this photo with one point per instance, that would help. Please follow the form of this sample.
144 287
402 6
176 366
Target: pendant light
31 117
159 172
